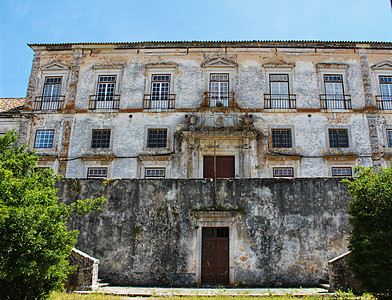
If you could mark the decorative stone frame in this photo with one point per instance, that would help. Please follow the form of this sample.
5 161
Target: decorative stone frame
154 162
54 69
169 68
228 219
332 69
107 70
219 66
381 69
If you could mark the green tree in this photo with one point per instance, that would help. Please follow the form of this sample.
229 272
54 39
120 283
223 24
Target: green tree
371 229
34 240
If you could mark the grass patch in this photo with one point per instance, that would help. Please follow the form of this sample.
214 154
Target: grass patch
74 296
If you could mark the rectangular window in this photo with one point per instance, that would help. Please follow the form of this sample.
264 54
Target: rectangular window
338 138
160 87
157 138
155 173
44 139
341 172
386 93
279 89
386 87
100 138
281 138
106 88
283 172
219 90
97 172
389 137
51 93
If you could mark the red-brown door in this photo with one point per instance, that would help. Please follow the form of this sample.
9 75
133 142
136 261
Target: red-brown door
215 256
224 167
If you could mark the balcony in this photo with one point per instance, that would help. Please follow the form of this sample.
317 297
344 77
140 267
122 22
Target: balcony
217 99
335 101
280 101
49 102
159 102
104 102
384 102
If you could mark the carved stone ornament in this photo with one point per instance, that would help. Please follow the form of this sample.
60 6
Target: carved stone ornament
220 62
384 65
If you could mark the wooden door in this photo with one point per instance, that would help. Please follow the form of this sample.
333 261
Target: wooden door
215 256
224 166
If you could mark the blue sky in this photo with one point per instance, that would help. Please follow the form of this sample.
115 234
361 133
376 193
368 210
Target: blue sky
54 21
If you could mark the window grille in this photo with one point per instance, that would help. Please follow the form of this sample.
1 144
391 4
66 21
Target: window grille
338 138
281 138
157 138
283 172
155 173
100 138
389 137
97 172
341 172
44 139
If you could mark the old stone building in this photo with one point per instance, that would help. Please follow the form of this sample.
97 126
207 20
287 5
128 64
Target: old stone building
166 109
189 111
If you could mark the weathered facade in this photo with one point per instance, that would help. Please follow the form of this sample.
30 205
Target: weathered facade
279 232
170 109
182 114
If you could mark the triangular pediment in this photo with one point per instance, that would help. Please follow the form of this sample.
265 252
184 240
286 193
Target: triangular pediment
55 66
384 65
220 62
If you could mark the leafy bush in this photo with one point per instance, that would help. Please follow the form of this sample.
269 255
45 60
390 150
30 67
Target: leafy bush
35 242
371 229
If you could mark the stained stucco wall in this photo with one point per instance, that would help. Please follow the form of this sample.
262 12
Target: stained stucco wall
282 232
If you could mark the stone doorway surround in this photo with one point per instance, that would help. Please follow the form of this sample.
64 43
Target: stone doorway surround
215 219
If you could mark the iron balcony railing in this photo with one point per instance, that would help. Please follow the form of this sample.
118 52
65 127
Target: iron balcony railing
49 102
217 99
384 102
335 101
104 102
279 101
160 102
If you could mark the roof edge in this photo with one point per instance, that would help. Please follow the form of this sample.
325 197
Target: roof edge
214 44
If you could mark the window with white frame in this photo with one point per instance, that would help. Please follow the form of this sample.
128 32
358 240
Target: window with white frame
281 138
219 90
51 98
155 172
279 91
44 138
283 172
106 96
97 172
334 92
341 172
385 101
338 138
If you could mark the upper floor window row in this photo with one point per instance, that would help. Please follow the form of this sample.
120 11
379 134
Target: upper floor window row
161 97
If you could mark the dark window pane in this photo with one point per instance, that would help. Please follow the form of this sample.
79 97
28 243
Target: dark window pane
157 138
100 138
338 138
281 138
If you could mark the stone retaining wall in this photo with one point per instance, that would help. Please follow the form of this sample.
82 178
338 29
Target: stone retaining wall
148 233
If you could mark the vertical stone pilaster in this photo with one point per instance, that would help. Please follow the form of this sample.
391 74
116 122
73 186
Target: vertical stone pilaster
246 159
365 70
65 141
371 111
33 81
70 106
73 83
